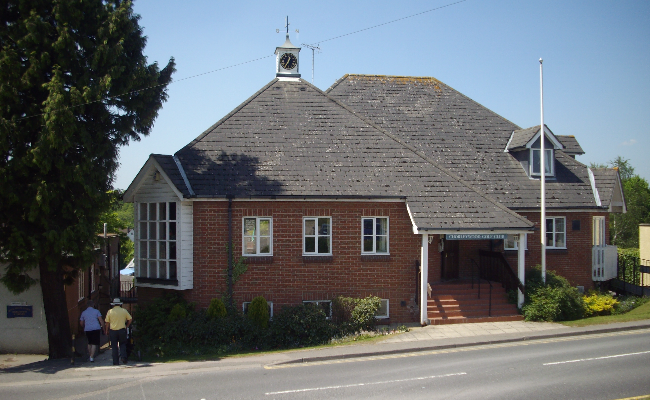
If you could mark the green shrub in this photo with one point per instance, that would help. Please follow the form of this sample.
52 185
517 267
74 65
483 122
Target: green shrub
177 313
302 325
258 312
352 315
216 309
554 301
628 303
599 304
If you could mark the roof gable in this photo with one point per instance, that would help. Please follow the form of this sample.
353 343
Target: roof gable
522 139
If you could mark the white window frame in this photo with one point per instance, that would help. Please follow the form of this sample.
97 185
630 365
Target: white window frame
244 308
374 236
387 315
549 163
257 236
316 236
145 228
81 285
523 237
554 233
318 304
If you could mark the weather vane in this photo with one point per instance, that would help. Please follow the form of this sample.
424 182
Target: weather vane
287 26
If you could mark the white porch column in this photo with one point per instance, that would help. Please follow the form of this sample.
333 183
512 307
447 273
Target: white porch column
521 268
424 275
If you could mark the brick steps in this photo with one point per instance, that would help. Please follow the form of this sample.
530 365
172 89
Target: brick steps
458 303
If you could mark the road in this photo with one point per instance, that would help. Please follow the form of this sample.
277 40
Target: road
603 366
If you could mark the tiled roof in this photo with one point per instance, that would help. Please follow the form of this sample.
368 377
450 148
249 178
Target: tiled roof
463 137
291 139
170 168
605 179
572 147
521 137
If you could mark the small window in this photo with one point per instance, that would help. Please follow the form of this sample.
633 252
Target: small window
247 303
535 162
257 236
317 236
81 281
510 244
382 311
325 305
555 233
156 240
374 235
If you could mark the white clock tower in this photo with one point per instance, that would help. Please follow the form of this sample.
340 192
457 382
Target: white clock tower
287 59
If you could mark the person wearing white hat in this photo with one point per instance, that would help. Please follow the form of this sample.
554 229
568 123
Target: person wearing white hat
117 320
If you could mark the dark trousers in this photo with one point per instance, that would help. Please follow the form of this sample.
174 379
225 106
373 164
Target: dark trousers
118 338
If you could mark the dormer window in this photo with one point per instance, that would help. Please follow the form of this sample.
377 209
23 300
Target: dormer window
549 162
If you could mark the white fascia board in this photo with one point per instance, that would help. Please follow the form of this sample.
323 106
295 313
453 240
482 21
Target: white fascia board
550 136
594 189
415 227
512 135
129 194
473 231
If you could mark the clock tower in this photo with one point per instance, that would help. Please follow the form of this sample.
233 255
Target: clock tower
287 59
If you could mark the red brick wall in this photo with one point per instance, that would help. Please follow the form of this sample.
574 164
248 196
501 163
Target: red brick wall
288 278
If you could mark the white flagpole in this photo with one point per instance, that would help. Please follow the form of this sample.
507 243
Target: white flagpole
542 170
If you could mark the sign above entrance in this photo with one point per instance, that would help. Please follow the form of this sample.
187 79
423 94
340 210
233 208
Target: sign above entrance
476 236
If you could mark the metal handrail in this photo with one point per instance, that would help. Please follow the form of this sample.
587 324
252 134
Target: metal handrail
478 268
504 273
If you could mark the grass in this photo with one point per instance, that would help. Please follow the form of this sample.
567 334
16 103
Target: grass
640 313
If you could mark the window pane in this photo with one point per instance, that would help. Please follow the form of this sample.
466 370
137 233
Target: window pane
535 162
152 249
265 245
367 243
172 231
265 227
162 230
323 226
172 270
367 226
249 245
548 161
162 211
152 211
143 230
152 230
549 225
549 239
249 226
143 249
382 244
509 242
172 250
172 211
310 245
153 265
310 227
382 226
324 244
559 238
143 211
162 250
559 225
162 270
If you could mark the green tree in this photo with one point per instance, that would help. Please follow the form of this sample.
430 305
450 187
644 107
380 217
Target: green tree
625 227
119 218
71 80
625 169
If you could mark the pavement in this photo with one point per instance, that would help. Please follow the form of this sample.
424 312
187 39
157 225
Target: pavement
418 339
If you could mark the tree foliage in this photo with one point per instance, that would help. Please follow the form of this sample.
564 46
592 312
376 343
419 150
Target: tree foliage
71 74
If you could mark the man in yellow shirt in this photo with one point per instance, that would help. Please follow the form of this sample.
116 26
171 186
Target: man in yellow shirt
117 320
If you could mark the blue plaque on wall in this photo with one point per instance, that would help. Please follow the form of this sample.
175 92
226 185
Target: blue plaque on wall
19 312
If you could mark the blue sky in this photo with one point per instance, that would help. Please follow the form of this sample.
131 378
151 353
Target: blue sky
596 61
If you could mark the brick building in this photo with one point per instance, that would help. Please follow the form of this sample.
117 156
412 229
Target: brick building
380 185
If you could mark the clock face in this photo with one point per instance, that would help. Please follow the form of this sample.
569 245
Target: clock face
288 61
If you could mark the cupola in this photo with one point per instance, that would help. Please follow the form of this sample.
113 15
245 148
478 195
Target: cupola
287 59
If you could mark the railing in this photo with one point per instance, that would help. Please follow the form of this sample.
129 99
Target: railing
495 267
631 276
478 269
603 263
128 290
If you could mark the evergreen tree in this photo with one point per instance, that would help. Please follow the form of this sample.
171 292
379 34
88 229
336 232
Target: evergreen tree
70 78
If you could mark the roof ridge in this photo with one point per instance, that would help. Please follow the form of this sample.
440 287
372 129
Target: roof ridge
227 116
424 157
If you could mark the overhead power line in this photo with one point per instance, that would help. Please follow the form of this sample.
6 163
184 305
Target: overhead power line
250 61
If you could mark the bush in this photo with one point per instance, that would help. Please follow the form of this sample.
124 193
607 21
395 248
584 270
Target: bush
217 309
599 304
258 312
554 301
628 303
353 315
302 325
177 313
